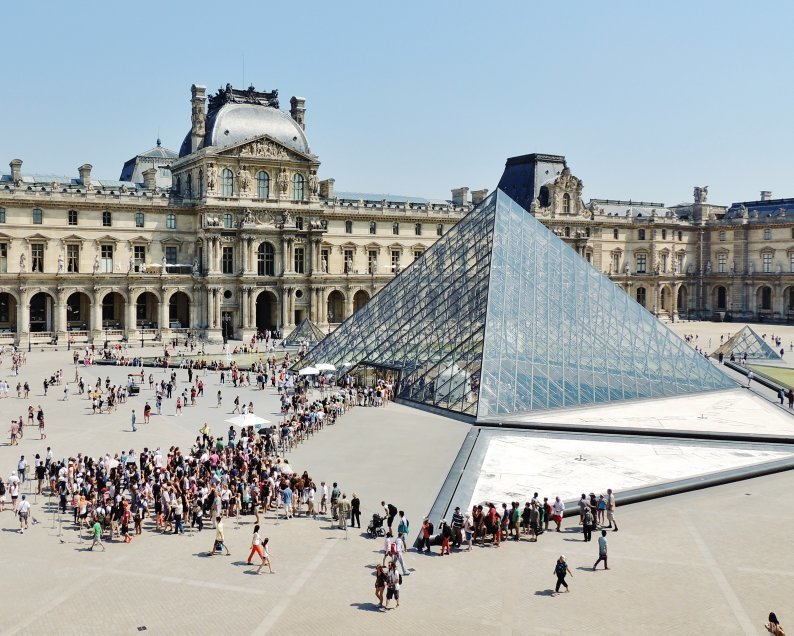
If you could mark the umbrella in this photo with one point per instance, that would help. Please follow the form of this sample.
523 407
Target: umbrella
325 366
113 463
347 364
249 419
308 371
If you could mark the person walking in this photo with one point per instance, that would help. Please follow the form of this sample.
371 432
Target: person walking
219 543
611 509
133 419
602 550
256 547
750 377
558 511
220 398
561 569
97 530
393 580
265 557
773 626
380 583
23 512
355 511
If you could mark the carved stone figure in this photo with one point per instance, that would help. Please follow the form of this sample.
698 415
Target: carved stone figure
243 180
708 267
96 264
130 265
627 270
733 267
195 266
211 174
22 264
313 182
745 213
287 218
283 181
701 194
60 263
751 267
165 266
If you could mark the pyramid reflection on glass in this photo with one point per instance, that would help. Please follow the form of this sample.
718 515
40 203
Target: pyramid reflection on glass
306 332
499 317
746 341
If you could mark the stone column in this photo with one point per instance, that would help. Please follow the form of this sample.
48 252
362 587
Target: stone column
162 321
252 308
210 307
131 322
218 312
348 304
59 325
285 294
23 315
193 309
244 291
283 256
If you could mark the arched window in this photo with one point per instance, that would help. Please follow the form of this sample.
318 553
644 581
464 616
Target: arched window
266 260
615 233
226 181
766 298
567 231
190 185
566 203
641 235
262 185
170 221
297 187
395 228
38 216
139 219
641 295
201 183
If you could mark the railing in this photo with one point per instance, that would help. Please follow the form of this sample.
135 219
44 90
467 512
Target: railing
114 333
7 336
77 336
41 336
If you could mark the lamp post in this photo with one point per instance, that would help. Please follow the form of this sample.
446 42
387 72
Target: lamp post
29 339
225 321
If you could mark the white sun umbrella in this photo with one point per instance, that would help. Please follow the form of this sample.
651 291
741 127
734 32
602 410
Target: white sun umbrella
309 371
325 366
248 419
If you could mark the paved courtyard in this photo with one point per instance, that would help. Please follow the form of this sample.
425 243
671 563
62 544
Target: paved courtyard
711 561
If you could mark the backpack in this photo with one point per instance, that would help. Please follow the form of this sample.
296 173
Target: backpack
561 569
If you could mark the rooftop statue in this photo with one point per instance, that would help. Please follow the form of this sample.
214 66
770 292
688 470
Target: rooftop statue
230 95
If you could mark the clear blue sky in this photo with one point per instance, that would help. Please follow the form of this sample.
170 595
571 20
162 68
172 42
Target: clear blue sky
646 100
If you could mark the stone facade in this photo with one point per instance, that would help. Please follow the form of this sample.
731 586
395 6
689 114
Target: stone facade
248 238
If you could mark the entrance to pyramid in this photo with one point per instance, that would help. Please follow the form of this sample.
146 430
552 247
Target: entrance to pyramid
370 374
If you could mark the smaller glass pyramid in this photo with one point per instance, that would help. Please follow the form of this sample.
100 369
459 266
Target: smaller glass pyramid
746 341
306 332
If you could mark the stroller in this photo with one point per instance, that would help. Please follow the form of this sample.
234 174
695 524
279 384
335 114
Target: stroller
375 527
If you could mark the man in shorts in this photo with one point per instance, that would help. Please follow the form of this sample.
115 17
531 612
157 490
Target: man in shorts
23 512
393 580
611 510
97 530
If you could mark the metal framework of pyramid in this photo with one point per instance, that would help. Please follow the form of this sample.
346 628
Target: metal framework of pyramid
746 341
500 316
305 332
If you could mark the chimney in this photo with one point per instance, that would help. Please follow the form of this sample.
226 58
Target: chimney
327 188
16 170
477 196
460 196
150 178
766 195
198 116
85 174
298 111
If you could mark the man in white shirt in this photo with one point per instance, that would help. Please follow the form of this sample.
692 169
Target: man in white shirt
558 512
21 466
23 511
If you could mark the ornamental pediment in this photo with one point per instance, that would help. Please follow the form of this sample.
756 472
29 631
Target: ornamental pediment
264 147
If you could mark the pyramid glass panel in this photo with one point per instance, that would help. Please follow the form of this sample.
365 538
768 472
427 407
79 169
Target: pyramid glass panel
305 332
500 316
746 341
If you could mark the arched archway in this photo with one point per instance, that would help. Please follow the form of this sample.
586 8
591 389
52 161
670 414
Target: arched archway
113 311
360 299
666 300
179 311
336 306
642 296
147 311
78 312
41 312
764 298
720 298
681 300
266 311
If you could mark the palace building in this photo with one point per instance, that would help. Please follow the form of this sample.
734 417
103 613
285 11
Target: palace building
236 233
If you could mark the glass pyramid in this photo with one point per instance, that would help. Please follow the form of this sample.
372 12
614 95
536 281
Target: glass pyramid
746 341
307 332
499 317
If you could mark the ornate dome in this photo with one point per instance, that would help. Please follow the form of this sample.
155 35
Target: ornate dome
233 122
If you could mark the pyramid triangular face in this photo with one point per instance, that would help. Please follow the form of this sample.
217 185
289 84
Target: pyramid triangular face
746 341
428 323
306 332
560 334
499 316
